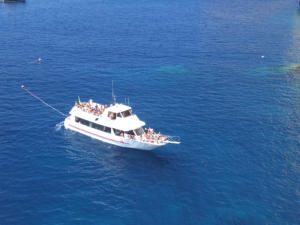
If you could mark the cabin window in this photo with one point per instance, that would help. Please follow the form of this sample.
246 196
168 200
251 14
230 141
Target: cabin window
112 115
119 132
119 115
82 121
107 129
129 132
127 113
98 126
139 131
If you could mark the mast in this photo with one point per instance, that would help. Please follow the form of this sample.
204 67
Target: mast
112 93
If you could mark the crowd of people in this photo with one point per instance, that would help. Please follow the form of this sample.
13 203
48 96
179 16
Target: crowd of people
97 110
150 136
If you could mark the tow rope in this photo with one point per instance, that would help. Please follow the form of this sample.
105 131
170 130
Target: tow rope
42 101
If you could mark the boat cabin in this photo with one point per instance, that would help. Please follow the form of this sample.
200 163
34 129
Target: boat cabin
123 131
118 120
119 111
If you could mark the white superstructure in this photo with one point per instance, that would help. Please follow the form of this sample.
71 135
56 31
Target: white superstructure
116 125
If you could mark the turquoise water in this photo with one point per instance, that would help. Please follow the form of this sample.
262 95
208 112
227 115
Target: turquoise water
192 69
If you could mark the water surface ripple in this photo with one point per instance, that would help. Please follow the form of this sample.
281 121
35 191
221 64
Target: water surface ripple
190 68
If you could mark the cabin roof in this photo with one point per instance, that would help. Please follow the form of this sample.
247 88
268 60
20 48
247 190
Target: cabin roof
126 124
117 108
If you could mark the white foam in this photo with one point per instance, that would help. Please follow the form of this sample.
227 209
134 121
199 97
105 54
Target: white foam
59 126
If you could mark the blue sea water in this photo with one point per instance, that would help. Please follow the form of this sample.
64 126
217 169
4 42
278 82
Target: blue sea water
222 75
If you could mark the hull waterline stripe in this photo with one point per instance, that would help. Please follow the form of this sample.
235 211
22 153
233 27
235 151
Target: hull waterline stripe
98 135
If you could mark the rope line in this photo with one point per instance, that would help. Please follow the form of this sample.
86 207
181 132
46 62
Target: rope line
42 101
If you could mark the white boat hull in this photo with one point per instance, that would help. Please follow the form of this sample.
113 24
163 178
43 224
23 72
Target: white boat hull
69 123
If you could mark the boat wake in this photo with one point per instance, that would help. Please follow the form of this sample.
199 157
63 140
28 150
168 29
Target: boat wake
173 139
59 126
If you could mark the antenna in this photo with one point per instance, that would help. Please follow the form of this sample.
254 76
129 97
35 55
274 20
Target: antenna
112 92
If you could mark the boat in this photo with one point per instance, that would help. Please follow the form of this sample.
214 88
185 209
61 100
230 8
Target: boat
115 124
8 1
